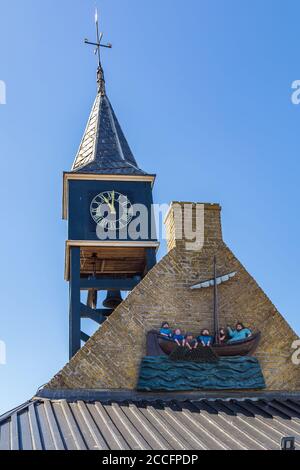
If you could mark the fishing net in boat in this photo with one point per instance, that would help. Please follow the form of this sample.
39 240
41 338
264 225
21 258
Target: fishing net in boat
201 354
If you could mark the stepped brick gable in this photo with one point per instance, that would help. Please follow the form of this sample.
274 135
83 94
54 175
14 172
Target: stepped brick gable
111 358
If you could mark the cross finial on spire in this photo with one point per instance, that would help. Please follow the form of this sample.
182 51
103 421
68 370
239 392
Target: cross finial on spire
99 37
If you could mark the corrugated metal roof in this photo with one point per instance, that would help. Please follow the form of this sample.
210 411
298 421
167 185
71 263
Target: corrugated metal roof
44 424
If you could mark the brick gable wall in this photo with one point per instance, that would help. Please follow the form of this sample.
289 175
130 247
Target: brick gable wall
111 358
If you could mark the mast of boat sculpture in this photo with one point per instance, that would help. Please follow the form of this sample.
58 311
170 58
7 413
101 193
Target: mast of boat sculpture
216 309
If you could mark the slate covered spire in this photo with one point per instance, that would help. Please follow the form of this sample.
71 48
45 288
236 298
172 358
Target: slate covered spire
104 148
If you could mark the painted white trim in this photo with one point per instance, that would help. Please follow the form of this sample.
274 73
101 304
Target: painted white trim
109 243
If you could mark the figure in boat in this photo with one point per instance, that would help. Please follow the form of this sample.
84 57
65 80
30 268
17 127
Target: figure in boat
222 336
190 342
178 337
165 330
239 334
205 338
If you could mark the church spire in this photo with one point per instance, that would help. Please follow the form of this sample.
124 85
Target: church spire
104 148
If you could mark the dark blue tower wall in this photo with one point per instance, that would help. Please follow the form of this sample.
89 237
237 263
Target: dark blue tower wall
81 193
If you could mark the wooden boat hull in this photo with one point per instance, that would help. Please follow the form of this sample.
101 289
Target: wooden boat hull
239 348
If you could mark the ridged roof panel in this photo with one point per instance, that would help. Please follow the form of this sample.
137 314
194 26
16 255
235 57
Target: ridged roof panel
159 425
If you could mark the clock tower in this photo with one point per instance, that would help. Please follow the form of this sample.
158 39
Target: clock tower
107 200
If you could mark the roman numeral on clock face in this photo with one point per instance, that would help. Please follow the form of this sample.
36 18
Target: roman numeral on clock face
111 210
103 223
98 219
112 225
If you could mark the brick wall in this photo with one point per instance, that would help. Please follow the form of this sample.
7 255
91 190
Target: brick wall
111 358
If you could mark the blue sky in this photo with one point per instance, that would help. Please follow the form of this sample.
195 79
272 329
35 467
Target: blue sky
203 91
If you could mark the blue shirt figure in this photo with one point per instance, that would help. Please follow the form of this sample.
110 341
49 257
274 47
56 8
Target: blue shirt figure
178 337
205 338
165 330
239 334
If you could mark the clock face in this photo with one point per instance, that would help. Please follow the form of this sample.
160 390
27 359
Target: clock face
111 210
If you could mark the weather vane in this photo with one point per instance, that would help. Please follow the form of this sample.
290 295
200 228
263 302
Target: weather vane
99 37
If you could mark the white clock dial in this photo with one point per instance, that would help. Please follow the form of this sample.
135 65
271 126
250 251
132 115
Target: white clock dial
111 210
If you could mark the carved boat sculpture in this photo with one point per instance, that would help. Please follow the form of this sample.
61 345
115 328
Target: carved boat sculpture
158 345
246 347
